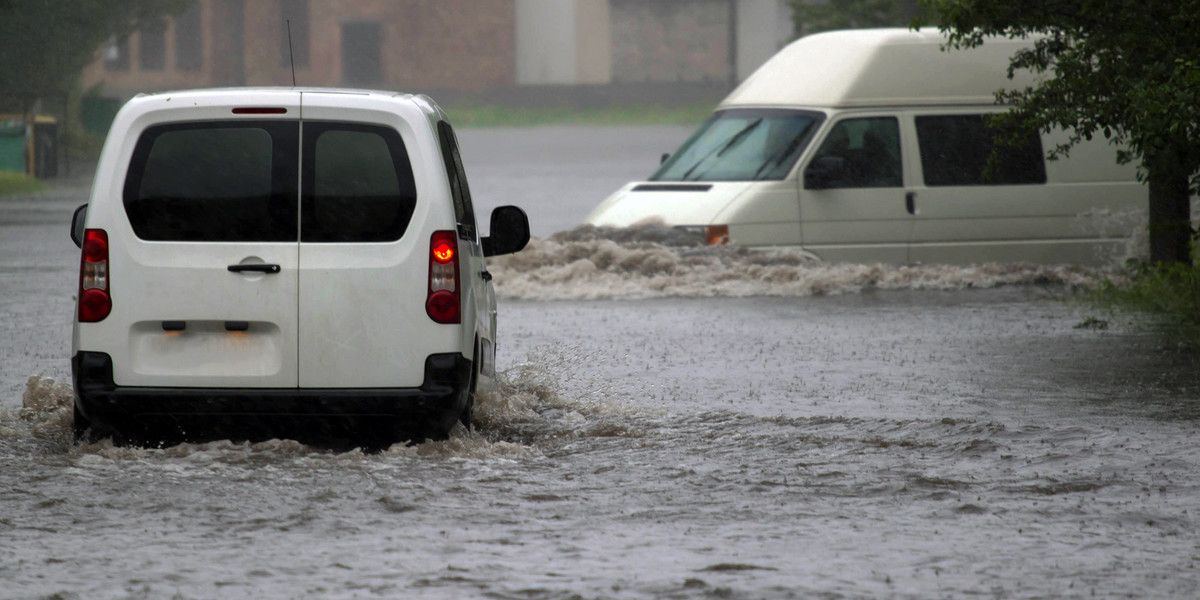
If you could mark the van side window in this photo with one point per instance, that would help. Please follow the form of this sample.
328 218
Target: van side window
357 184
170 193
958 150
869 153
464 212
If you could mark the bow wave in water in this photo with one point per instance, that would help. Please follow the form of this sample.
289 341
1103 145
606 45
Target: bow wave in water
517 415
653 260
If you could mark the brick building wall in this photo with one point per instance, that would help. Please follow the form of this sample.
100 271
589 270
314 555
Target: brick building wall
671 41
418 45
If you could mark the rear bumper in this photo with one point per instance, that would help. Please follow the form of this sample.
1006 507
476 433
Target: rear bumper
339 417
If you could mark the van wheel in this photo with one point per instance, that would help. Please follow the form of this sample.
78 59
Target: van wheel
465 417
80 426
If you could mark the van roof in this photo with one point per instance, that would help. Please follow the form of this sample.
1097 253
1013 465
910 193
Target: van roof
880 67
261 95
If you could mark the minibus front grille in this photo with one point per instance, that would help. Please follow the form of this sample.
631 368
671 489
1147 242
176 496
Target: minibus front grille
672 187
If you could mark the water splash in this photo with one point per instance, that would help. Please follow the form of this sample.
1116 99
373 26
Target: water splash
651 261
516 415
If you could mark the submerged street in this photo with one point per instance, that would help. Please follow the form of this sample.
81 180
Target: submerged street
669 423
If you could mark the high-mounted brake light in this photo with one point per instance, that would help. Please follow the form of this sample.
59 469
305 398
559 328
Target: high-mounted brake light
94 300
443 304
260 110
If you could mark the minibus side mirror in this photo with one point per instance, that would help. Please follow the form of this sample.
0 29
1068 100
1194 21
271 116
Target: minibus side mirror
77 225
664 158
823 171
509 231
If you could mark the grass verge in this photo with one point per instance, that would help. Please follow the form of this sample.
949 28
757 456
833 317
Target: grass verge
18 183
473 115
1168 294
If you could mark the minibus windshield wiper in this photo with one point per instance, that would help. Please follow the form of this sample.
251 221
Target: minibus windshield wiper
737 137
777 158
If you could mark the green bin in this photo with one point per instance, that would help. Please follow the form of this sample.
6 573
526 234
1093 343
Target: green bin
12 146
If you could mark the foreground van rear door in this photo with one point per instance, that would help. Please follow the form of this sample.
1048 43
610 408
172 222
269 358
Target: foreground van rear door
205 294
363 274
860 214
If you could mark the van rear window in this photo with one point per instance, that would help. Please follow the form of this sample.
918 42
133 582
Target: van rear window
214 181
358 184
963 150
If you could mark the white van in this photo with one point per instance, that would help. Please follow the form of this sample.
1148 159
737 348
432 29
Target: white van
871 146
265 263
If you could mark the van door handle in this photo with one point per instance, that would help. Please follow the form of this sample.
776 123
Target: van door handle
910 202
254 268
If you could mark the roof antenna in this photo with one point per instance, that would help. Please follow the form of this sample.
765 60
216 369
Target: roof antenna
291 56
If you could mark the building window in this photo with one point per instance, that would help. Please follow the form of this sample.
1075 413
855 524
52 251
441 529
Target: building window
294 47
361 64
116 54
152 45
189 49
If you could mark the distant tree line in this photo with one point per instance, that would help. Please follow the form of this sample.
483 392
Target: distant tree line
45 44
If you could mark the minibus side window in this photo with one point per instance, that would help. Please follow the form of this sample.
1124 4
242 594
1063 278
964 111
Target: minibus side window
866 152
962 150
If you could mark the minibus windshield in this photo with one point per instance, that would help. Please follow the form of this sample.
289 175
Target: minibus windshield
742 145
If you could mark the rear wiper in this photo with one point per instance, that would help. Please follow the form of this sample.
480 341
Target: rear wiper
737 137
784 152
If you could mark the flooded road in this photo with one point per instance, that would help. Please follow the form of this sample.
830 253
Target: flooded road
780 430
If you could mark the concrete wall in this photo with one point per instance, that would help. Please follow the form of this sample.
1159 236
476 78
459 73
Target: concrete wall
763 28
563 42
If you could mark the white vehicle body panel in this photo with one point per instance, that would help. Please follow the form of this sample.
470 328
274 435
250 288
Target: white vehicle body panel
902 75
336 315
362 305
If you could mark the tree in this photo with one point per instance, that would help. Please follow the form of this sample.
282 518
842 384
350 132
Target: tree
46 43
1125 69
852 14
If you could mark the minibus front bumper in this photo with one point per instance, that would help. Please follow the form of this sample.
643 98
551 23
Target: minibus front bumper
336 418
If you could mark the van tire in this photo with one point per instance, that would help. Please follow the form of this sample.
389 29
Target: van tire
466 416
84 431
79 426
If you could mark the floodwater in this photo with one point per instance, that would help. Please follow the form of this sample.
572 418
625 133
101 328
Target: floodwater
670 422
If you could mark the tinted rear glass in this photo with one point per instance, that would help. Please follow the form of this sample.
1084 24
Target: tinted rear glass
214 181
358 184
964 150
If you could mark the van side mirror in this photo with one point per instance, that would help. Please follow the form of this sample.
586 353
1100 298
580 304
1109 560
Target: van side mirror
509 231
823 171
77 225
664 158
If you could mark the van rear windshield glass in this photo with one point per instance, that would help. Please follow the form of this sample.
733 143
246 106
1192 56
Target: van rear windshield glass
742 145
358 184
214 181
965 150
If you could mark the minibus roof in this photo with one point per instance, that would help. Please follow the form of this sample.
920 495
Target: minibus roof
880 67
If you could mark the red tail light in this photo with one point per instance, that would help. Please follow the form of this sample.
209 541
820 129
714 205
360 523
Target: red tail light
443 304
94 300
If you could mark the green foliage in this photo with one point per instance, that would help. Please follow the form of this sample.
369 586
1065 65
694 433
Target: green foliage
852 14
46 43
1125 70
18 183
1168 293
